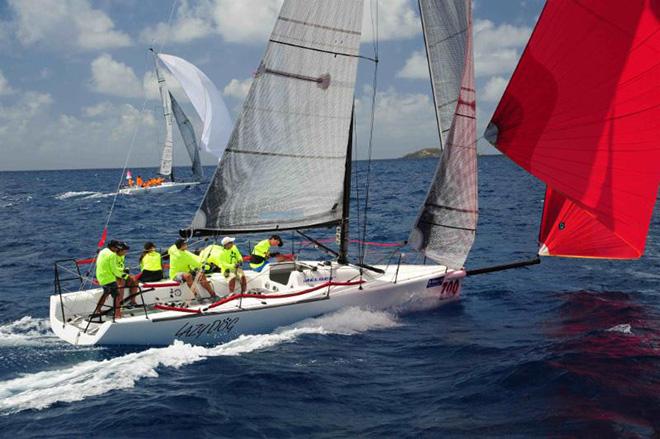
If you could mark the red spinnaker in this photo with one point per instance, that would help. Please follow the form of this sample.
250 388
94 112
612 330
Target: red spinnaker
582 113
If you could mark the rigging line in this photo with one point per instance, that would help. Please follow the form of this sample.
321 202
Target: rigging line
374 25
131 144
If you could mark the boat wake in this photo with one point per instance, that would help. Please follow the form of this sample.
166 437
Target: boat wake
83 195
27 331
92 378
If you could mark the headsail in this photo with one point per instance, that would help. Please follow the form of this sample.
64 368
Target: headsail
581 113
166 157
446 225
205 98
189 139
284 165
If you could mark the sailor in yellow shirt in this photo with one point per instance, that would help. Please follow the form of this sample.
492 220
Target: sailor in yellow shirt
184 266
261 253
210 257
110 275
231 264
151 264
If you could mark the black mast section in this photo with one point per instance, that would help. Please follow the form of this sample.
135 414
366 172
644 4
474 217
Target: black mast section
346 204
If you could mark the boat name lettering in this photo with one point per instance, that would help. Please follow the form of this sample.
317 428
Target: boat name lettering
317 279
195 331
435 282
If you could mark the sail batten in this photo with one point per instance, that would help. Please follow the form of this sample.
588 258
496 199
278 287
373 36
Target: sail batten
284 164
446 224
581 114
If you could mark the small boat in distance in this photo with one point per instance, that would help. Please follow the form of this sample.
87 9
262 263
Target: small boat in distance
210 108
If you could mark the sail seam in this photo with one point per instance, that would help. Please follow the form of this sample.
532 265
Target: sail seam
469 229
277 154
331 52
449 37
319 26
456 209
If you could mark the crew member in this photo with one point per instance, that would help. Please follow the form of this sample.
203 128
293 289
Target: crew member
110 275
261 252
210 257
231 263
139 182
151 264
184 266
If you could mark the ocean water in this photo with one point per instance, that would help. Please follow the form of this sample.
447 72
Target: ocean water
567 348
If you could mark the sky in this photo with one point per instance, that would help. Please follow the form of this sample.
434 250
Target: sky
77 88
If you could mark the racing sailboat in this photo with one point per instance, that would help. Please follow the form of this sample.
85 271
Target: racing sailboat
208 104
296 131
298 117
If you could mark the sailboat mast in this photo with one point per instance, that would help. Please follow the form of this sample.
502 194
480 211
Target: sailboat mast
346 202
428 61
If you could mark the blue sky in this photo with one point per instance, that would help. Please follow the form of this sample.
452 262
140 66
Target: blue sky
76 80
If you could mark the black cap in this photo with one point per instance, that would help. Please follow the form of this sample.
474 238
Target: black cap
179 242
281 243
121 245
113 243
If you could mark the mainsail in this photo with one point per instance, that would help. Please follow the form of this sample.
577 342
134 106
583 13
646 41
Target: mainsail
581 113
445 227
189 139
205 98
166 157
284 165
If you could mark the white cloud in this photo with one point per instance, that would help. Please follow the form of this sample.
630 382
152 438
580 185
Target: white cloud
416 67
493 90
251 21
65 24
397 19
114 78
245 21
404 122
101 137
238 89
497 48
189 24
5 88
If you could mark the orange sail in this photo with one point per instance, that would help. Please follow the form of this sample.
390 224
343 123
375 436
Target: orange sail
582 114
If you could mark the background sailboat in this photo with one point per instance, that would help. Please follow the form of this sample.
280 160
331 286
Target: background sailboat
207 102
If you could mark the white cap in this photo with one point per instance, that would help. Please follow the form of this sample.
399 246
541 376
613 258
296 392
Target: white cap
226 240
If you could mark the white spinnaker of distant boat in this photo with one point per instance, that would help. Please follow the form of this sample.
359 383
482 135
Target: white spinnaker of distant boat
206 100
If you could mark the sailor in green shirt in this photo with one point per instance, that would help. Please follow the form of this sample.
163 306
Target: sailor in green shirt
210 256
151 264
231 264
111 276
261 253
184 266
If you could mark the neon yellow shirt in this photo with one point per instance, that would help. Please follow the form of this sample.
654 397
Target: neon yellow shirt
108 267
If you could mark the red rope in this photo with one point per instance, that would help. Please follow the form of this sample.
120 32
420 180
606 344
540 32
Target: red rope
177 308
281 296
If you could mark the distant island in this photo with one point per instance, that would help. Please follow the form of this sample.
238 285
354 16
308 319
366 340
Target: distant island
424 154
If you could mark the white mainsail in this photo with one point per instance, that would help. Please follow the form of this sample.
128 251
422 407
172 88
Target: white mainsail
206 99
445 227
166 157
285 162
189 139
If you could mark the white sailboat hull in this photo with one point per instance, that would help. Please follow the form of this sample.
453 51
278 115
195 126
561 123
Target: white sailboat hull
415 286
169 186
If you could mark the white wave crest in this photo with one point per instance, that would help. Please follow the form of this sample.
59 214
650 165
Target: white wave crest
99 195
27 331
73 194
93 378
623 328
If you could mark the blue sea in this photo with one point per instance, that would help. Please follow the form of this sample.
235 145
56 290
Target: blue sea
567 348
